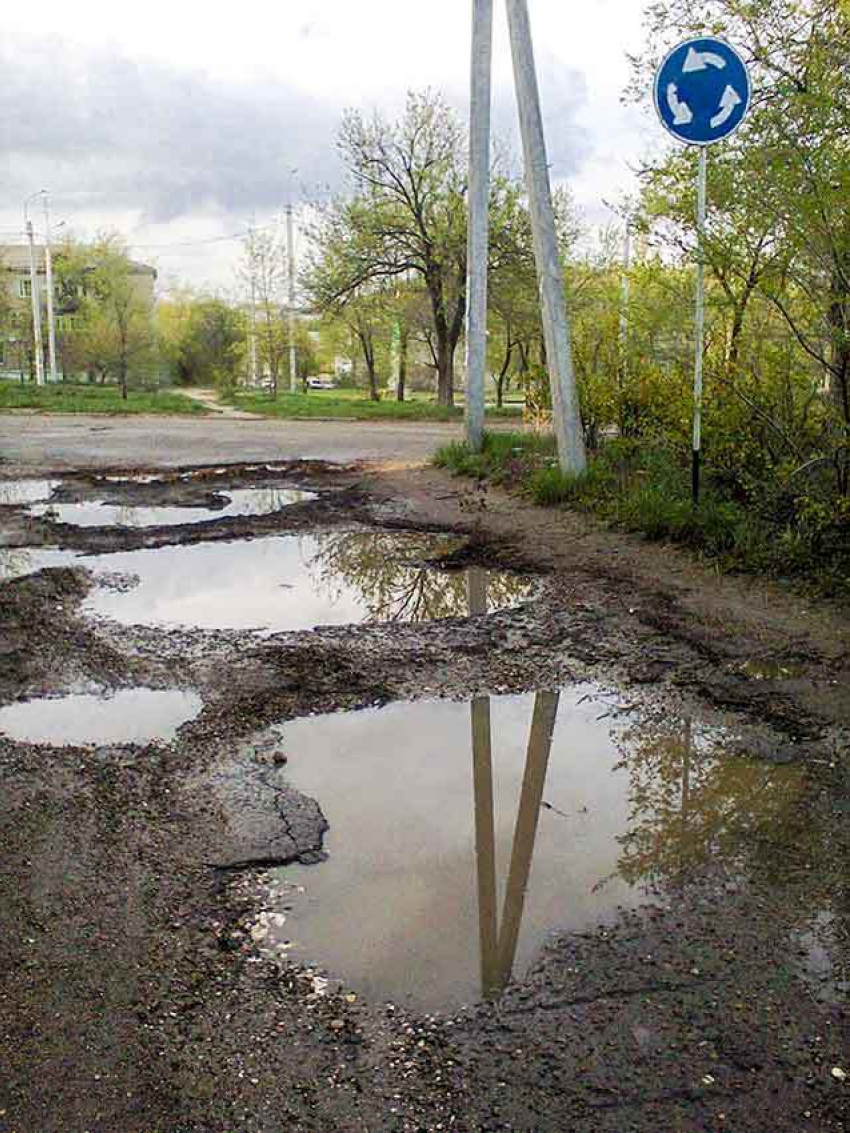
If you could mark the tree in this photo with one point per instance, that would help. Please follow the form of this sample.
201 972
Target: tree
407 215
263 270
203 338
115 335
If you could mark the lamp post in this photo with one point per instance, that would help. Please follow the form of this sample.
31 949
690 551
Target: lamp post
36 302
290 260
48 271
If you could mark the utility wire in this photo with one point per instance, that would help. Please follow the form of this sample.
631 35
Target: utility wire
209 240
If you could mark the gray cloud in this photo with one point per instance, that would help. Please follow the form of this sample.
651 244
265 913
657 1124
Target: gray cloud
145 136
105 132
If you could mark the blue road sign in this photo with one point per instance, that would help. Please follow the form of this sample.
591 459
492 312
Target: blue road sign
702 91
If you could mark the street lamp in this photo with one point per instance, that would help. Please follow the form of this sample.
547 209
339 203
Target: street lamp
36 304
290 241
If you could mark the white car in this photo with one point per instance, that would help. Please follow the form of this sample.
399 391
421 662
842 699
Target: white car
320 383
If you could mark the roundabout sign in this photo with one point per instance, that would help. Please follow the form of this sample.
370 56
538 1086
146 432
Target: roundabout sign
702 91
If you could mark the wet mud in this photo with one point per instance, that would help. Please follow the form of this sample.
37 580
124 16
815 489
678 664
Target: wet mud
142 885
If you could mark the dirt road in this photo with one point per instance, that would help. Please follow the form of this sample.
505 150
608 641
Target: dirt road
138 879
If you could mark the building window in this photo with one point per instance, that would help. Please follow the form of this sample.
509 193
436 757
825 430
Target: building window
25 288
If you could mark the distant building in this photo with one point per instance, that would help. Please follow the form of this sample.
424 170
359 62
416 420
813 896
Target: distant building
16 282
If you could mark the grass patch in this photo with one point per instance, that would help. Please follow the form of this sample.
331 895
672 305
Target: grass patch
646 490
67 398
350 405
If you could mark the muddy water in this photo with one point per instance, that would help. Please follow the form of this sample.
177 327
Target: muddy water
15 562
19 492
240 502
461 835
290 583
137 715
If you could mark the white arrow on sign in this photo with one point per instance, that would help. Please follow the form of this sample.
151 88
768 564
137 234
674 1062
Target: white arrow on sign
728 102
699 60
682 113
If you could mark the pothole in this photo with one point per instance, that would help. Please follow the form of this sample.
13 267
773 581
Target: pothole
444 889
240 502
293 583
18 492
128 716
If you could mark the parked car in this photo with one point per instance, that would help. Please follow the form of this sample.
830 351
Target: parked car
320 383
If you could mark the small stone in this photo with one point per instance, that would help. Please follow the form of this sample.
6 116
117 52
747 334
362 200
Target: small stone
337 1024
838 1074
708 1080
280 759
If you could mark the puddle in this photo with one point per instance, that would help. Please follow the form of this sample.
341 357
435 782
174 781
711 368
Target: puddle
138 715
26 491
290 583
241 502
462 835
16 562
771 670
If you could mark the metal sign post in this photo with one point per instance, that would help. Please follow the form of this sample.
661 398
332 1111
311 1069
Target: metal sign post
702 95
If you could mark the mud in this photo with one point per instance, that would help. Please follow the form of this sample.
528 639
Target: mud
135 994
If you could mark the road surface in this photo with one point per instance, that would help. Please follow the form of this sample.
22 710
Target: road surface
89 441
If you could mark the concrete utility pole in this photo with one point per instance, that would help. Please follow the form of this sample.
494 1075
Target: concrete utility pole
565 408
478 240
252 321
290 259
48 267
36 309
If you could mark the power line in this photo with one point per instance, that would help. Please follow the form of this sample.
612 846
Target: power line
209 240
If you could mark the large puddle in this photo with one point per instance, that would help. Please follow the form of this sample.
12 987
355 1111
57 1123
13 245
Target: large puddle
18 492
137 716
461 835
240 502
279 583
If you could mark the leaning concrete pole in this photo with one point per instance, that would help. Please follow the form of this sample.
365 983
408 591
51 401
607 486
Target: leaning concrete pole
478 239
565 408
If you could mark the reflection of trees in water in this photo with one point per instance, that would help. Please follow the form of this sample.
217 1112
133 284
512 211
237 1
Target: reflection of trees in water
691 804
391 574
695 808
14 563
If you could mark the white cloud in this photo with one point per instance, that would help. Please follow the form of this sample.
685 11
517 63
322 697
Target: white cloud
179 119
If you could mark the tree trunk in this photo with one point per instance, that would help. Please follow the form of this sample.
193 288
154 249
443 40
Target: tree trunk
402 363
839 376
445 373
123 376
503 373
368 347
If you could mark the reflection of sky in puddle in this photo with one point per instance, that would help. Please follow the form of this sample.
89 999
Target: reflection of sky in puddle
277 583
242 502
15 562
137 715
285 583
414 853
26 491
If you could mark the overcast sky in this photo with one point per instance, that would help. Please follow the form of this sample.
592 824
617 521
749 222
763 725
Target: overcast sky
174 122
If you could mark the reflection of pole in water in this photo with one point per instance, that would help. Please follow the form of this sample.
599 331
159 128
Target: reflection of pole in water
498 947
687 751
476 589
485 842
485 837
534 780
